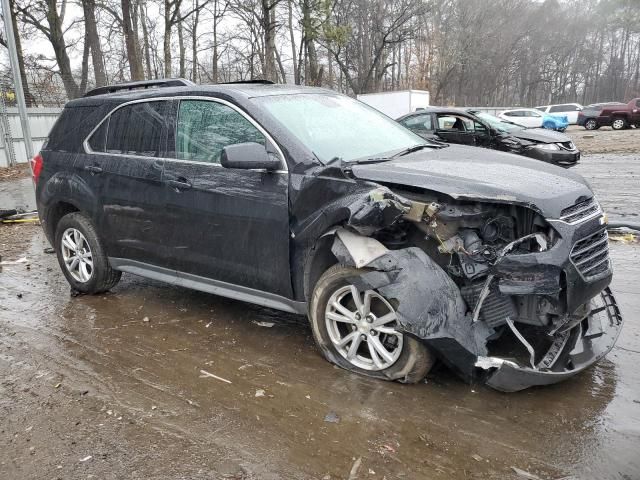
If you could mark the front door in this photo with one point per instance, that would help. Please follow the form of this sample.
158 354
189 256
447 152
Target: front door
455 128
230 225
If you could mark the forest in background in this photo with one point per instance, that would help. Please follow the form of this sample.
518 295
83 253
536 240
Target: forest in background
465 52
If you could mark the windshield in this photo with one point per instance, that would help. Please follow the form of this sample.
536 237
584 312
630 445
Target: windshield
498 124
335 126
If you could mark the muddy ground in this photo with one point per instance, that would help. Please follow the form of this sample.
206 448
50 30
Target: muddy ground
158 382
605 140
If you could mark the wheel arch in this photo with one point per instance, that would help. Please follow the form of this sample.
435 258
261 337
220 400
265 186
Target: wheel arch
62 194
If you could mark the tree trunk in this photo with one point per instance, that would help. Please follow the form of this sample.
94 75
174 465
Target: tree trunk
167 39
135 65
292 39
182 51
93 39
84 76
145 39
194 43
28 97
268 26
56 37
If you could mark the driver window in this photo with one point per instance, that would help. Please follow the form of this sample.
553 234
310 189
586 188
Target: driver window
454 123
206 127
480 128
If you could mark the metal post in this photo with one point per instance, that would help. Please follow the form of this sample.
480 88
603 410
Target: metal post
17 79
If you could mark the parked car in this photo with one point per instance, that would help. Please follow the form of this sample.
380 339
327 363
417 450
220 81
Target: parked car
484 130
399 250
569 110
615 114
531 118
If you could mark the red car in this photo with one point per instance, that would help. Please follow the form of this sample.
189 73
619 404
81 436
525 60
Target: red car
616 115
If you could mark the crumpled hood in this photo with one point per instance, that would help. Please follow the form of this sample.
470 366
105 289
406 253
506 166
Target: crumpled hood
541 135
485 175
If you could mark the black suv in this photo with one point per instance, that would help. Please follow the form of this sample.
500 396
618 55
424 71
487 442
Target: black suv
300 199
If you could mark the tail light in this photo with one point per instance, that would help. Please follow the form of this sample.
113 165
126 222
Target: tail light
36 167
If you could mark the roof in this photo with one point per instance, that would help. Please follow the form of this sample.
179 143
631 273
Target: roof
245 90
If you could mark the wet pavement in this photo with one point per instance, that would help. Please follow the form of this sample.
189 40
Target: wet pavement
156 381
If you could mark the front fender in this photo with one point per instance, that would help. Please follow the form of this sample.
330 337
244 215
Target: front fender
428 303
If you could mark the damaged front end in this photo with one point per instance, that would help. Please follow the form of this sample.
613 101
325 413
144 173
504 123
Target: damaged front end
503 295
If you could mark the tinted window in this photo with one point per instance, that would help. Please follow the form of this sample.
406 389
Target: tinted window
138 129
563 108
205 128
418 123
637 103
98 140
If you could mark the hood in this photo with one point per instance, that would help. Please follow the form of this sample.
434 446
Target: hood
541 135
484 175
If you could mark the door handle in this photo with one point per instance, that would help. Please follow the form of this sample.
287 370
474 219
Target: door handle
179 184
93 168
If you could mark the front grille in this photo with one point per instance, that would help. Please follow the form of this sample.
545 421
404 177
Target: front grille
580 211
591 254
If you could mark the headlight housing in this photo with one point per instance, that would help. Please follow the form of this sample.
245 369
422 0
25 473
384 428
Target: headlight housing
547 146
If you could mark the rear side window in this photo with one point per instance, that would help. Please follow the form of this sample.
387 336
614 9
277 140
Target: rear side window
206 127
563 108
137 129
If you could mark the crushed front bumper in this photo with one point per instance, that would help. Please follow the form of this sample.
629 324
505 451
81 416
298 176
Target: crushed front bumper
588 342
563 158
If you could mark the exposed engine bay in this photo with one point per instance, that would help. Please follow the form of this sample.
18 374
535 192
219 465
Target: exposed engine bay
526 301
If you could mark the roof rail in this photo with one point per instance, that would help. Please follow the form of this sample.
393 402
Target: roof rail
258 81
143 84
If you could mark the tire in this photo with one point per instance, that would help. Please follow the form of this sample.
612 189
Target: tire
591 124
101 277
619 123
412 360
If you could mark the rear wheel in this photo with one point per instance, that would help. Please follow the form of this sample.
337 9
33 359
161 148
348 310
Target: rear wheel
360 331
81 255
591 124
619 123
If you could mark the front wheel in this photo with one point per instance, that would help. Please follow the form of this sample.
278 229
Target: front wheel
360 331
81 255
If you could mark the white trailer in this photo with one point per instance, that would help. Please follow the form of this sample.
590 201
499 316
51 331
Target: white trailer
396 104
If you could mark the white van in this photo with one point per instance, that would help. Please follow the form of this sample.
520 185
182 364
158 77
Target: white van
569 109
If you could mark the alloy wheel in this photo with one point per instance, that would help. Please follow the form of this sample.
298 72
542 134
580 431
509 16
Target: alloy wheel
77 255
618 124
363 328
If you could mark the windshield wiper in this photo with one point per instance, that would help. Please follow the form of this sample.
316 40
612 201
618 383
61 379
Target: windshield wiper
415 148
406 151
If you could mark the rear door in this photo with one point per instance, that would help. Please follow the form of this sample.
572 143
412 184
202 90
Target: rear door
128 148
230 225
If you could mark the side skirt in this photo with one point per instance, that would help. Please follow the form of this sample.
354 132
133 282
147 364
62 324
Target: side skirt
208 285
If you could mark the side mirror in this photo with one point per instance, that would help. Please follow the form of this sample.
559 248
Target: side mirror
248 156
